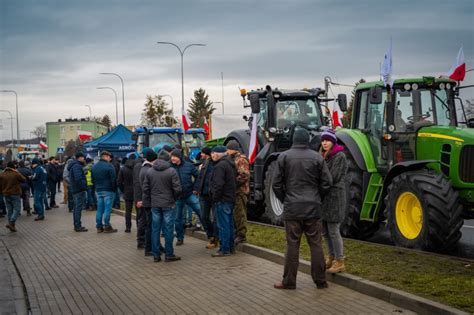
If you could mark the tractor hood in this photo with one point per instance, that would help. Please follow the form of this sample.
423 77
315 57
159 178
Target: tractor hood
460 135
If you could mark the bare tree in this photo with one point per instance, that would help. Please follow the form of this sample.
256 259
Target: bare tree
40 132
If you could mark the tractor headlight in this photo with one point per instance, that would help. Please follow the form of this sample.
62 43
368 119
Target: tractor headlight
272 130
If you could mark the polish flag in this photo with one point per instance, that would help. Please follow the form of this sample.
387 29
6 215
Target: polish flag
253 148
206 129
84 135
458 70
186 122
43 145
336 115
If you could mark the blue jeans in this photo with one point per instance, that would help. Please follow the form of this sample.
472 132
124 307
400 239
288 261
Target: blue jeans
13 204
331 230
38 197
45 200
162 219
79 203
225 224
192 202
105 200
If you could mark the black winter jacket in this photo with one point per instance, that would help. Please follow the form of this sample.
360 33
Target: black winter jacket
77 177
222 185
300 178
204 177
161 186
141 177
137 188
187 172
125 180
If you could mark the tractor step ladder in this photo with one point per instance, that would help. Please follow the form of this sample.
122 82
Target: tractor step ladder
371 200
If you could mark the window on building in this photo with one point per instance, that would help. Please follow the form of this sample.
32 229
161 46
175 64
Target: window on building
62 129
63 142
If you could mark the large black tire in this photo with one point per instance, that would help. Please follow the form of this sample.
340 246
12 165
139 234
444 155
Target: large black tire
352 226
440 208
273 207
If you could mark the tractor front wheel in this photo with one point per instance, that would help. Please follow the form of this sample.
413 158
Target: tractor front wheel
423 211
273 206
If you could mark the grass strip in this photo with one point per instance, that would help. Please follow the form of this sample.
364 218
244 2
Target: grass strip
446 280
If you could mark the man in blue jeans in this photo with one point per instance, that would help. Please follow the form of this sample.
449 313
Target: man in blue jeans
188 175
10 183
78 189
161 188
39 179
105 182
222 190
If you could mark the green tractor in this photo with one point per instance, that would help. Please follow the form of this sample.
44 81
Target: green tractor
409 163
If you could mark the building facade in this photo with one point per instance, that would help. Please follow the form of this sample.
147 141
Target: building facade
60 132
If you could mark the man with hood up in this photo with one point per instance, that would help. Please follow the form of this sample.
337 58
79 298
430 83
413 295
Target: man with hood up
161 189
39 178
125 183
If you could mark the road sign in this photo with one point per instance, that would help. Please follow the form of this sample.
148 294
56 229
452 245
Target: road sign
60 151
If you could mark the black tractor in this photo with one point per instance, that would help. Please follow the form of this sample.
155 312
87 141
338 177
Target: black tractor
278 113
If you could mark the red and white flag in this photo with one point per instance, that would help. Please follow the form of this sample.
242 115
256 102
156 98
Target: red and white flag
84 135
43 145
186 122
253 148
206 129
336 115
458 70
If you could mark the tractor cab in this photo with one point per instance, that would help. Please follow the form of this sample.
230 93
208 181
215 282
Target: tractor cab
195 140
157 137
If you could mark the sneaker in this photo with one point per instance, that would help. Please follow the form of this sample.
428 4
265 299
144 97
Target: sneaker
39 218
220 254
281 286
157 259
322 285
179 242
100 230
48 208
81 229
55 206
172 258
127 230
11 227
109 229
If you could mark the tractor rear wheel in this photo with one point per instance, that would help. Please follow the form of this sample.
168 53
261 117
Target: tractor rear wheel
352 226
273 206
423 211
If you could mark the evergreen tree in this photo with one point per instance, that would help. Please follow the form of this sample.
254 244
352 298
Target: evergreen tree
200 107
156 113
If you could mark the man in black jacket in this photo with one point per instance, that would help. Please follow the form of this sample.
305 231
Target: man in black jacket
25 186
161 189
299 180
222 187
52 169
125 183
137 200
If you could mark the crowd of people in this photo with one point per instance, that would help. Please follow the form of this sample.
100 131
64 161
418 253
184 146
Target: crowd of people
164 186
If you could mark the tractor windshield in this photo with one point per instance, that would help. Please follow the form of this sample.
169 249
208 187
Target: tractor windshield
157 138
300 112
195 140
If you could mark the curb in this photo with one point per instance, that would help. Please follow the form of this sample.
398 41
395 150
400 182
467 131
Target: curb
394 296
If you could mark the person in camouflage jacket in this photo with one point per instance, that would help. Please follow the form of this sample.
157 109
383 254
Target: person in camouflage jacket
243 189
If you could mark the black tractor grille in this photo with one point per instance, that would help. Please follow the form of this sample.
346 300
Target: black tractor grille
466 164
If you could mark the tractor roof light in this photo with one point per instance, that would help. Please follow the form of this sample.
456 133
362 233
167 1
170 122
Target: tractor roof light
414 86
407 87
243 92
387 136
442 86
448 86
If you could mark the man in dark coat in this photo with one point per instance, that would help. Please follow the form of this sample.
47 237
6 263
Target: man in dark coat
137 200
187 176
105 182
299 180
10 186
39 179
146 220
53 176
125 183
161 189
25 186
78 189
222 189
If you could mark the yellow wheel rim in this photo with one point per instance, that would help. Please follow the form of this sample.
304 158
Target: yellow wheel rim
409 215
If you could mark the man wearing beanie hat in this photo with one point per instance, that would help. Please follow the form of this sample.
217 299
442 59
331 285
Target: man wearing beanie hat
188 175
300 178
242 167
144 223
78 189
105 182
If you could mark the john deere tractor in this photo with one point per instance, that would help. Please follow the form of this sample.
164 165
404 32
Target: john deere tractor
409 163
278 114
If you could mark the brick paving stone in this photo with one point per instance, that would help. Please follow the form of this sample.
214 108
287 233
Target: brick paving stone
70 273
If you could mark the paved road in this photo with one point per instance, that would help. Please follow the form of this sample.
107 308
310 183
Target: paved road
70 273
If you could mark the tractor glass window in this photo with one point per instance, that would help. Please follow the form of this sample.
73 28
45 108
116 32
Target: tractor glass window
375 127
262 116
195 140
363 109
442 111
301 112
427 113
140 142
157 138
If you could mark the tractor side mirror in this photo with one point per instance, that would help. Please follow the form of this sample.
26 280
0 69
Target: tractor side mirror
375 95
342 101
254 103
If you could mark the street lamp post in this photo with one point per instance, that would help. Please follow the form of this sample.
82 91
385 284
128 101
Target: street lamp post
181 52
123 93
116 105
11 122
172 103
90 111
17 119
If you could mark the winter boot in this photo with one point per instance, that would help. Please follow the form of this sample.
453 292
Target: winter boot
337 266
109 229
211 243
329 261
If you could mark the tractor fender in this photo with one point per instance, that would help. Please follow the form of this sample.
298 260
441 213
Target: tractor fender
242 136
347 141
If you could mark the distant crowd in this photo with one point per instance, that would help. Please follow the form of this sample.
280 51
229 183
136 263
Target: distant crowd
165 188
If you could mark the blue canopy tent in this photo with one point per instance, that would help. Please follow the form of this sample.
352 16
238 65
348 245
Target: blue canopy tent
118 141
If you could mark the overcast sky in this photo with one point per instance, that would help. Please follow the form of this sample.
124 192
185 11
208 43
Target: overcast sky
51 52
